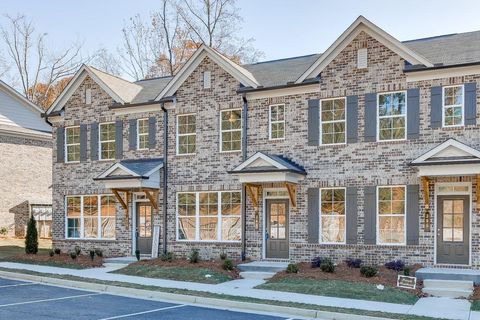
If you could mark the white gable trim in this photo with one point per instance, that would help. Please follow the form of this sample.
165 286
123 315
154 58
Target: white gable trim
239 73
115 167
359 25
73 85
443 146
259 156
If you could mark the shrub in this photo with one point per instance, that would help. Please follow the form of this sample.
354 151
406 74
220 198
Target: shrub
354 263
169 256
396 265
31 241
223 256
194 256
99 252
316 262
92 254
137 254
406 271
368 271
51 253
73 255
327 265
57 251
228 265
3 231
78 250
292 268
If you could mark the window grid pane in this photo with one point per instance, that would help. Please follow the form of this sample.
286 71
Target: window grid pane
332 215
332 121
453 106
391 116
142 132
277 122
72 143
107 141
231 134
187 136
391 215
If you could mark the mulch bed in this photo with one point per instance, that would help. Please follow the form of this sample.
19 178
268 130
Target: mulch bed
60 260
476 293
214 265
384 276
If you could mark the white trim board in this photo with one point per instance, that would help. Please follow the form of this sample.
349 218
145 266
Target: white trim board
449 144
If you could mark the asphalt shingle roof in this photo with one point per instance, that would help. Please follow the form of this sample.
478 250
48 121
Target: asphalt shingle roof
150 89
141 167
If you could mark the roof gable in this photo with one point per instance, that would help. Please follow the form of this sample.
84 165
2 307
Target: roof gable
141 169
261 161
361 24
449 151
241 74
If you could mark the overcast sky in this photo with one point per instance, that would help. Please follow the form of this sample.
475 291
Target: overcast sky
281 28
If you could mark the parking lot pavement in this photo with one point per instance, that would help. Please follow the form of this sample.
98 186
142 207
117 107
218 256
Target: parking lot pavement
27 301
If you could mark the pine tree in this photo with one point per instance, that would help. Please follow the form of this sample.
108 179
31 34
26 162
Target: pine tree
31 241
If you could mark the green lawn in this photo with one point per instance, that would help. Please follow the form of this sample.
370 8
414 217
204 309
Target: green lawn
341 289
475 305
191 274
13 247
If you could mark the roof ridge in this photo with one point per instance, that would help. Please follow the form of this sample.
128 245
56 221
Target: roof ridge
154 78
282 59
441 36
109 74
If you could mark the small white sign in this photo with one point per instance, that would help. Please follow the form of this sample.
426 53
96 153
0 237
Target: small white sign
406 282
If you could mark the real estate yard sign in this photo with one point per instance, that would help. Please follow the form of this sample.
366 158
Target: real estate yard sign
406 282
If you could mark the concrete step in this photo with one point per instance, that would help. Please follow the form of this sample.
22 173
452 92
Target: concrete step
448 274
256 275
448 284
263 266
448 293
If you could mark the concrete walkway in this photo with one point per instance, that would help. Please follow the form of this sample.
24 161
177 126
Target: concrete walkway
432 307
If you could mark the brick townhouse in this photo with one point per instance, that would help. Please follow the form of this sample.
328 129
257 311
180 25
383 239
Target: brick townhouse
369 150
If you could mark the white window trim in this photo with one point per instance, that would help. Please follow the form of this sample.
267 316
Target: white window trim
197 218
384 117
65 146
320 216
270 122
378 242
454 105
99 223
100 141
178 135
241 131
141 134
333 121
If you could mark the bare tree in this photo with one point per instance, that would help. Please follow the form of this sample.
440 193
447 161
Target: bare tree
37 68
106 61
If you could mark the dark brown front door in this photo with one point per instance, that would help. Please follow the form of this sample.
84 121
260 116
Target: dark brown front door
144 227
277 229
453 229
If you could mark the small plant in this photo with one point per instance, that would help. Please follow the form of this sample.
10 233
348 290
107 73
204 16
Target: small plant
99 252
137 254
406 271
3 231
194 256
51 253
92 254
57 251
223 256
169 256
292 268
368 271
78 250
31 240
327 265
316 262
396 265
228 265
354 263
73 255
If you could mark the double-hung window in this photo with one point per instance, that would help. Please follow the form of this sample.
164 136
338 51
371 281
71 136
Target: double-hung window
277 122
142 134
392 116
391 215
333 121
72 144
107 141
231 130
209 216
332 215
453 106
74 213
186 134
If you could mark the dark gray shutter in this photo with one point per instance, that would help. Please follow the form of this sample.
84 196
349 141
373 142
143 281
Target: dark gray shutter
313 122
94 141
132 134
352 119
470 103
351 215
313 215
152 130
436 107
413 113
412 214
370 215
370 117
83 142
118 139
60 145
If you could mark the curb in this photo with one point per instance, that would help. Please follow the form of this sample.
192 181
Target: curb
188 299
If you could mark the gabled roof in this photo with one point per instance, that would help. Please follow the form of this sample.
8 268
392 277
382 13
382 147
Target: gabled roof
262 162
131 169
449 152
241 74
359 25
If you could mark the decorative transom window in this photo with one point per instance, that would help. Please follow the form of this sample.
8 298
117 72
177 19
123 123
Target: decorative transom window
277 122
107 141
231 127
72 144
332 121
391 116
91 217
453 109
332 215
391 215
209 216
142 134
186 134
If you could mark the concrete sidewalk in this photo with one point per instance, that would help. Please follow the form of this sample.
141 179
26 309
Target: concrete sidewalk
244 288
